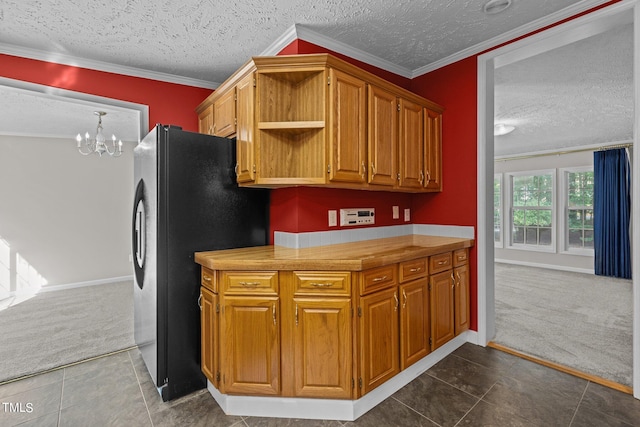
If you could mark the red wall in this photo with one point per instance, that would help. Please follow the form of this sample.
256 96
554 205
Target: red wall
168 103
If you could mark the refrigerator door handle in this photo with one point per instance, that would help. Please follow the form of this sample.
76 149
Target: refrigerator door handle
139 233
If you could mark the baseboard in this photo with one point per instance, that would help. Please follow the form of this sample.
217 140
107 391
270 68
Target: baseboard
85 284
549 266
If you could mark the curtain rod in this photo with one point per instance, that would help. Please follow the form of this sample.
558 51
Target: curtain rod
557 153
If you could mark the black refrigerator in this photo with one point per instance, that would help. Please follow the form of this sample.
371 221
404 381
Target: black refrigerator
186 200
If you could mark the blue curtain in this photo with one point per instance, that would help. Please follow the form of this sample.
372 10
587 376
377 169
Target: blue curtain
612 209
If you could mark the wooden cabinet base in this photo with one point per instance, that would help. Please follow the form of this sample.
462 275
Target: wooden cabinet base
332 409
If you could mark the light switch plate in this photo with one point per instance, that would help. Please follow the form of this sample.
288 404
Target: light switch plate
333 218
396 212
407 214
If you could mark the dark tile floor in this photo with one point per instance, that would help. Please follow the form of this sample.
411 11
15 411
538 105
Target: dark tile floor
474 386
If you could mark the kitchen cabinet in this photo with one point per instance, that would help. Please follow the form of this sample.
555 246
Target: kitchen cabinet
378 327
224 114
318 120
249 333
322 334
245 130
461 296
347 132
209 333
441 287
415 316
205 120
383 137
333 328
411 141
433 150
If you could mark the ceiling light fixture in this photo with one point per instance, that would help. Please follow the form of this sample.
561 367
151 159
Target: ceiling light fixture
493 7
98 145
502 129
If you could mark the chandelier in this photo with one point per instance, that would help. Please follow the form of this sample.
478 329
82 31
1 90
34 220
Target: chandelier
98 145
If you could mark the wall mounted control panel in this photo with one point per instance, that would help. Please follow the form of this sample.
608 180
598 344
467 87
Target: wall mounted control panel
357 216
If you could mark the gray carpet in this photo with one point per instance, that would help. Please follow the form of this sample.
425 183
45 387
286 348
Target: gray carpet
56 328
578 320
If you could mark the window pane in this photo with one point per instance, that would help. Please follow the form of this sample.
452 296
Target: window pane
579 219
531 236
545 236
518 235
544 218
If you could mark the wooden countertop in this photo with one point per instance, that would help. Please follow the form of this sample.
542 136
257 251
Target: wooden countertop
355 256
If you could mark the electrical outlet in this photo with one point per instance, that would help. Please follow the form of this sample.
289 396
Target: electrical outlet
396 212
333 218
407 214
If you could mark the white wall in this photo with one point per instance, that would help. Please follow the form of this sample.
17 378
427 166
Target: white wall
556 259
68 215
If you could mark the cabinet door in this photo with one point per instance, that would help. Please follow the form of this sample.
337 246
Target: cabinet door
378 330
224 114
411 163
250 341
205 121
382 137
322 346
442 317
462 306
414 322
245 132
347 144
209 334
433 150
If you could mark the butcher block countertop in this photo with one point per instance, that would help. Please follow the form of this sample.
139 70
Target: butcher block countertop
355 256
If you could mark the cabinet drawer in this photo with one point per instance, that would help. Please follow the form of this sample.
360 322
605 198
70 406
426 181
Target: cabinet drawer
460 257
208 279
249 282
413 269
440 262
378 278
322 282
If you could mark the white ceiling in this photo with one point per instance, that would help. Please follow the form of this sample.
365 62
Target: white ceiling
201 42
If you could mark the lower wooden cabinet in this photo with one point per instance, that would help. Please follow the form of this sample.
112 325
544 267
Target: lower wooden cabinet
209 334
378 329
328 334
322 347
250 345
415 322
442 308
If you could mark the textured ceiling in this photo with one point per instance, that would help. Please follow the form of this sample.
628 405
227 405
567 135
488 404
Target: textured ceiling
571 96
209 39
580 94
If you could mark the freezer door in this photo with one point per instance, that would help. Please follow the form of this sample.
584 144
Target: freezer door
144 242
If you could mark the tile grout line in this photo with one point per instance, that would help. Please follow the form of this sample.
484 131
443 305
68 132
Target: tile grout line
135 372
413 410
64 374
579 403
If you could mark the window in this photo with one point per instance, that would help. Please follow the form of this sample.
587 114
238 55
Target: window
578 218
497 210
532 210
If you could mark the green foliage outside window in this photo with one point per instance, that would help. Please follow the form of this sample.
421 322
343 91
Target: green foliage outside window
580 209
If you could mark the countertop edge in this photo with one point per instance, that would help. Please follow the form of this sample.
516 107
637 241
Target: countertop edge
280 258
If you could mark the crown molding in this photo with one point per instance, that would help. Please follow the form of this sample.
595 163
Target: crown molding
281 42
350 51
510 36
58 58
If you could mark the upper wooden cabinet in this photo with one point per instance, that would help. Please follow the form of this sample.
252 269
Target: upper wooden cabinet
205 120
318 120
224 114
